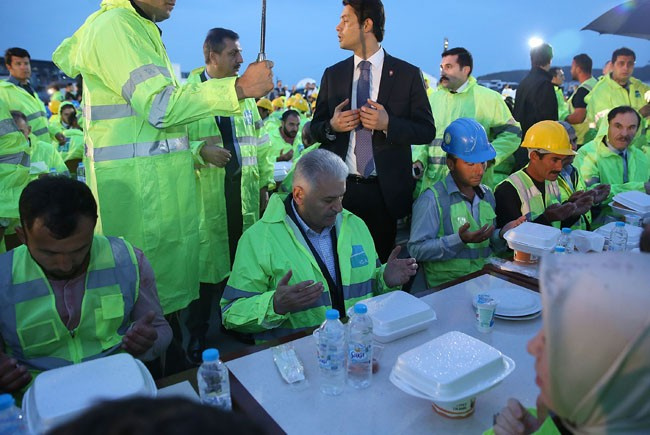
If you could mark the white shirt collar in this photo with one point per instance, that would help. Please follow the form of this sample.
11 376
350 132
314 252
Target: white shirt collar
462 87
615 150
375 60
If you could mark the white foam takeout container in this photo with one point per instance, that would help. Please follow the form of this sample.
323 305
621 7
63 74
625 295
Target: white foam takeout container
532 238
450 368
59 395
397 314
635 200
633 233
586 241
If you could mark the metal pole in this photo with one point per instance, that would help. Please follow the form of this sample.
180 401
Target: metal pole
262 54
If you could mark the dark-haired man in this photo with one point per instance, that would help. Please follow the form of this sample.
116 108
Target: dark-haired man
580 71
67 295
619 88
370 109
18 94
284 139
460 96
233 189
610 158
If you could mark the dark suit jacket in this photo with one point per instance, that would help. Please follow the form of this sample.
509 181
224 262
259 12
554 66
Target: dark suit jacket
402 93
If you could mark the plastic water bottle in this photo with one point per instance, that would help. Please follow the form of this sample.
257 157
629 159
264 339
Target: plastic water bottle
360 348
566 240
214 385
81 172
560 250
12 421
53 171
618 238
331 354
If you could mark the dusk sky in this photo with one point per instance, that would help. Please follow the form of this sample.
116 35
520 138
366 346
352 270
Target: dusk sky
302 41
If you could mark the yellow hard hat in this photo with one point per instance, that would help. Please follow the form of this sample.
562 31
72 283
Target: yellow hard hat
314 95
54 106
278 103
299 104
549 136
265 103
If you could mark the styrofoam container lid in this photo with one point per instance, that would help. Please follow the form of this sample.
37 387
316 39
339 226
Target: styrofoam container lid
534 250
397 310
58 395
534 235
452 366
635 200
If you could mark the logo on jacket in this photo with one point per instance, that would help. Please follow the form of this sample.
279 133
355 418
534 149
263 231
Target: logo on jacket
358 257
248 117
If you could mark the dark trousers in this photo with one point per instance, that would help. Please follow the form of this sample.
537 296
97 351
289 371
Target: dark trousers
200 309
364 199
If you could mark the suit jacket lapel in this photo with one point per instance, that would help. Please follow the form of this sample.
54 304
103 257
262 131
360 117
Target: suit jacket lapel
346 75
388 74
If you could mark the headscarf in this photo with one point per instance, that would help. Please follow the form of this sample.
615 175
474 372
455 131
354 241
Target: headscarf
596 310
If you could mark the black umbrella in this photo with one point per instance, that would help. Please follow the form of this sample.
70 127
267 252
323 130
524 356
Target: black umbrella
631 18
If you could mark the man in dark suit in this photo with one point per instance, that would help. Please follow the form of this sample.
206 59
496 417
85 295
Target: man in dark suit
370 108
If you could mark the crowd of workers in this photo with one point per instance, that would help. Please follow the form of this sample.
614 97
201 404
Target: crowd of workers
176 206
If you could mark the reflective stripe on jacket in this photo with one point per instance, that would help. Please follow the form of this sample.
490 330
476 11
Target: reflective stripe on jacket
31 326
532 203
275 245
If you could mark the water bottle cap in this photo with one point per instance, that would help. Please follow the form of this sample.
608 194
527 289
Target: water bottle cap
360 309
332 314
560 249
566 230
6 401
210 355
620 224
81 165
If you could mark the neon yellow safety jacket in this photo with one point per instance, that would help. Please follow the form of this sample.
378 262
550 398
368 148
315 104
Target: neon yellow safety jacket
562 106
274 245
31 326
582 128
599 165
32 107
257 172
138 161
489 109
14 164
532 203
453 214
607 94
568 188
45 157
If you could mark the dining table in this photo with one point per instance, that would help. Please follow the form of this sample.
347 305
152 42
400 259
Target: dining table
259 391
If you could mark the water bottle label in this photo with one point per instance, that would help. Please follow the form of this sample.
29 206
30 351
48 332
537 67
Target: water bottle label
358 353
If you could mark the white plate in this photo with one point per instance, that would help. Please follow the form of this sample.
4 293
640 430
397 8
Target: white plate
513 301
478 388
532 316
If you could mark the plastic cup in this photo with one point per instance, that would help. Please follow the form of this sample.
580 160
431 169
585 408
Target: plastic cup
485 308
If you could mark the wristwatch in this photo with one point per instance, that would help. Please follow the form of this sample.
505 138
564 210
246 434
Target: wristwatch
5 222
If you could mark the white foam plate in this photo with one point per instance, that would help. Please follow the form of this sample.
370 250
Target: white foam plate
638 201
517 318
628 212
513 301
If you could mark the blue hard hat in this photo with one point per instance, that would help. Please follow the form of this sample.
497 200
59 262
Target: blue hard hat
466 139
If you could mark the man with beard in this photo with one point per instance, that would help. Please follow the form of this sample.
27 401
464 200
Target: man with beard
580 71
453 231
284 140
306 255
233 190
460 96
533 191
609 158
68 295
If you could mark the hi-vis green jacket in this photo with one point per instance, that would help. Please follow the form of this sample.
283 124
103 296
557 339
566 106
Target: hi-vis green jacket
489 109
138 161
14 164
256 173
31 106
274 245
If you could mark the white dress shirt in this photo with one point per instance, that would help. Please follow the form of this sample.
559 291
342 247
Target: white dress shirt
376 66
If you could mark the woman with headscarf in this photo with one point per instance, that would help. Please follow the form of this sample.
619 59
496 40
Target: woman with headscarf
592 356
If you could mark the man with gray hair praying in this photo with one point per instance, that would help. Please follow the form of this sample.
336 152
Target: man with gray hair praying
306 255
